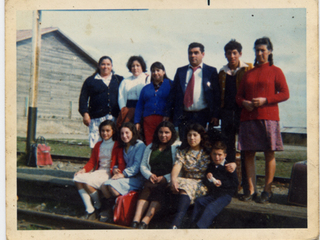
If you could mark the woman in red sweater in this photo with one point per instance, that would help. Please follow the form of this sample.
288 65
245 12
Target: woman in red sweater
259 93
106 160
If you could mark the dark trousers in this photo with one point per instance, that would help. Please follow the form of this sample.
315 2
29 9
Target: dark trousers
206 208
201 117
230 123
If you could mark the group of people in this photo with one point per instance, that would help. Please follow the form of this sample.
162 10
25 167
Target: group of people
200 170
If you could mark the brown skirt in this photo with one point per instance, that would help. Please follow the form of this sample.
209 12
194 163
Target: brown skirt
260 136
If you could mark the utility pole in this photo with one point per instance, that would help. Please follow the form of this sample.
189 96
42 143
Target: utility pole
34 79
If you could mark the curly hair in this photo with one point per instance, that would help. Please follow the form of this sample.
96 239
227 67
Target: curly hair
140 60
204 143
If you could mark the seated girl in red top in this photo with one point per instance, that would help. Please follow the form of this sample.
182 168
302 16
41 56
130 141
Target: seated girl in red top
105 155
259 93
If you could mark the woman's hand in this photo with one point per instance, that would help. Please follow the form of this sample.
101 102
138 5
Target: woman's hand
248 105
230 167
174 186
138 126
117 176
159 179
116 171
209 175
153 178
80 172
258 102
86 119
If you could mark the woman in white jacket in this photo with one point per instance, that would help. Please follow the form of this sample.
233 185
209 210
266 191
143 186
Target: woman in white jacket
156 166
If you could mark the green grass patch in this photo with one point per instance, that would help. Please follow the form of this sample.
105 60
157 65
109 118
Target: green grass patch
283 169
67 147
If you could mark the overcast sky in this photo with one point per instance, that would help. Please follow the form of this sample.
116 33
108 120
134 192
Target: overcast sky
164 35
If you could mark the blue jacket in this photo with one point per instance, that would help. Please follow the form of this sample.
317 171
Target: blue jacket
210 83
152 102
103 100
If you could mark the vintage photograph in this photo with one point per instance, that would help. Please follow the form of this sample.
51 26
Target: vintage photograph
189 121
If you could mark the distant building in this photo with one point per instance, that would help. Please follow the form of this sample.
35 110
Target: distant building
294 135
63 68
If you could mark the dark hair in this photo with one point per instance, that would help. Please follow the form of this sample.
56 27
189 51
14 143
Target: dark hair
112 125
135 134
204 137
231 45
219 145
140 60
99 63
156 142
195 45
264 41
160 66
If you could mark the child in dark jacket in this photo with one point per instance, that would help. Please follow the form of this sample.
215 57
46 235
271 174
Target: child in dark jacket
221 185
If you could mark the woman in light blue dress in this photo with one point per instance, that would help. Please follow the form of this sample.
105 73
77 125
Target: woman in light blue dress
130 179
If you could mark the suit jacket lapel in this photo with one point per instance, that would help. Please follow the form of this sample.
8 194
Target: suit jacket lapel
205 76
182 76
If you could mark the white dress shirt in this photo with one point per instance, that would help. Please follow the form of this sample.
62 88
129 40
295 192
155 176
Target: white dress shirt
130 89
199 102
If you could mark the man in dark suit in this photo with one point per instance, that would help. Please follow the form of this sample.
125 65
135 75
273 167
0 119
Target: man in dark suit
195 94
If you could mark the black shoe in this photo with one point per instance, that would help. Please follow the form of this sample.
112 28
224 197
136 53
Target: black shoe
90 216
248 197
143 225
265 197
106 216
135 224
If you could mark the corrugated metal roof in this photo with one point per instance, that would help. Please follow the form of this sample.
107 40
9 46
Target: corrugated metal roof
26 34
297 130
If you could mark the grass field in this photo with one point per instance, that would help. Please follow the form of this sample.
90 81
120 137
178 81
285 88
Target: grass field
80 148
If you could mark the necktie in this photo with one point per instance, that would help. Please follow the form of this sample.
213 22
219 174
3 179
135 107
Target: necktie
188 95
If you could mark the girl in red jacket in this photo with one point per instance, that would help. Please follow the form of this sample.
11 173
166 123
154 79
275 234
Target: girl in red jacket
104 157
259 93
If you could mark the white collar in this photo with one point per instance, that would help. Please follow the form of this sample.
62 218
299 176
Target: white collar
230 72
98 77
222 163
139 76
201 65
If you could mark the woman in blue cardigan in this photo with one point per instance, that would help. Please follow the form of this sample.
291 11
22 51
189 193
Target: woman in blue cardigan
152 101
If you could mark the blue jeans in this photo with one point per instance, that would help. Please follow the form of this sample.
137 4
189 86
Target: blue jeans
206 208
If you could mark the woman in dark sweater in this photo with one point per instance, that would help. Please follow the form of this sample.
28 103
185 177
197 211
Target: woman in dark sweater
98 99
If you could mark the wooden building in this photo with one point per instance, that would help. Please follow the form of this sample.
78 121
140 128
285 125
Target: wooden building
63 68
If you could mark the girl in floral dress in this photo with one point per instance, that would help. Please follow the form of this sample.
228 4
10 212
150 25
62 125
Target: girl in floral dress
192 158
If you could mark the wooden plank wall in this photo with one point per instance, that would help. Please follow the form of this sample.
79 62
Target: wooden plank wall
62 73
